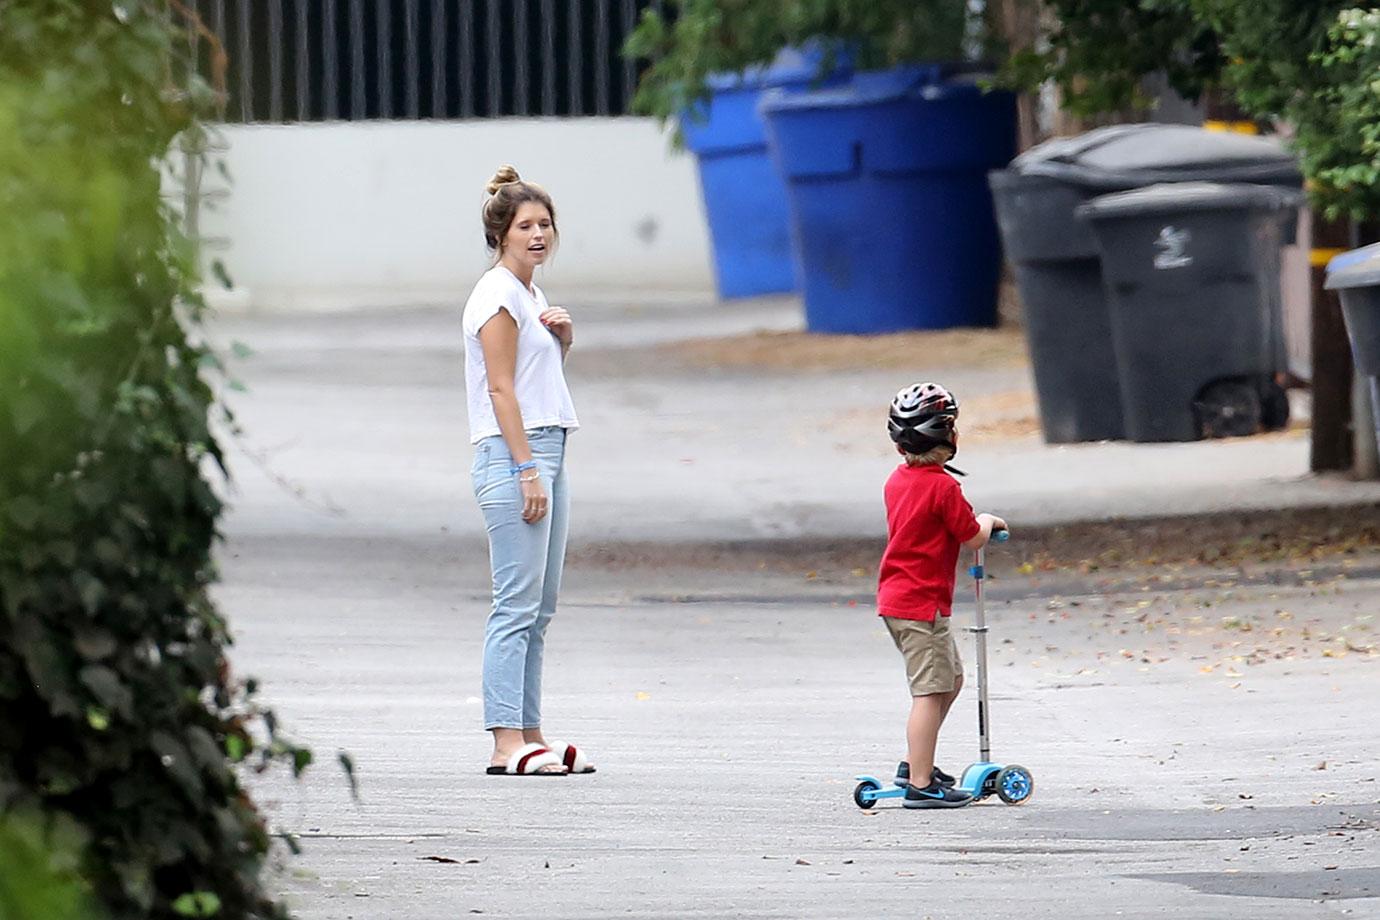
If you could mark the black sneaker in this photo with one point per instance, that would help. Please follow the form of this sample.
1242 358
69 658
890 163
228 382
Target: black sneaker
935 796
936 776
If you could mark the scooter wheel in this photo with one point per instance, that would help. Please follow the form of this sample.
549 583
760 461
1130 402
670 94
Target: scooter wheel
865 786
1015 785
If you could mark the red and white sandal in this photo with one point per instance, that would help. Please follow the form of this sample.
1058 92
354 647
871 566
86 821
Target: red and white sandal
529 760
572 757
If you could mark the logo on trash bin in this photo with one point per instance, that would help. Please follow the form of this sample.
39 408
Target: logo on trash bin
1171 242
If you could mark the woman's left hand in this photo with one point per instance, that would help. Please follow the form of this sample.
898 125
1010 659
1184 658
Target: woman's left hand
558 321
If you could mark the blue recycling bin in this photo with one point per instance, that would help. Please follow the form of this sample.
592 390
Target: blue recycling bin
744 196
892 217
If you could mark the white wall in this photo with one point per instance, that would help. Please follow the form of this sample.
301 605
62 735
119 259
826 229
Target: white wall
387 213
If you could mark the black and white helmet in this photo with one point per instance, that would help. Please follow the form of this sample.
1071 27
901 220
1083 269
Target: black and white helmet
922 416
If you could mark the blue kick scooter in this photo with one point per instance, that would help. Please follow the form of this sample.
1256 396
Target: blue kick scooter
1011 783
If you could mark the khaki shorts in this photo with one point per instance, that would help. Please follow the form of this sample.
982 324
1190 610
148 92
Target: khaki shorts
932 662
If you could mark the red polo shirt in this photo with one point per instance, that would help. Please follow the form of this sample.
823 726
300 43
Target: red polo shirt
927 521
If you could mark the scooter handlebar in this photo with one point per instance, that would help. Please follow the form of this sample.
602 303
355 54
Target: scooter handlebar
1001 536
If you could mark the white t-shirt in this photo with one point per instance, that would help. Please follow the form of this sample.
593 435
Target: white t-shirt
539 378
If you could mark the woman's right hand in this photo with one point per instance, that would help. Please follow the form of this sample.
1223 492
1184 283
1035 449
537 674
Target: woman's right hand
533 497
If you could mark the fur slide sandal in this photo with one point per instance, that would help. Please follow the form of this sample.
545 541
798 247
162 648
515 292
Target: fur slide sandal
572 757
529 760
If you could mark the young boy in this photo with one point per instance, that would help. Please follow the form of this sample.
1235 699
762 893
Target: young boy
928 519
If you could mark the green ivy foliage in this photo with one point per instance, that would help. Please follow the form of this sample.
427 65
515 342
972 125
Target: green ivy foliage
697 38
118 715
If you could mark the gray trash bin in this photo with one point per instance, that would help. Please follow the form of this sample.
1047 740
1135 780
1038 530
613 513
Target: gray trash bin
1355 275
1191 274
1055 260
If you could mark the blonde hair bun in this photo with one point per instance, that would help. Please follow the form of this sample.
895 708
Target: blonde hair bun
502 177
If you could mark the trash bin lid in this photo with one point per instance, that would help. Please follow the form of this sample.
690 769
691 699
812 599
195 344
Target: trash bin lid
1356 268
925 81
1130 156
1181 197
791 66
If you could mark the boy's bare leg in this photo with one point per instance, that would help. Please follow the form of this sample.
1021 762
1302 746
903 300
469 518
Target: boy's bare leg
922 733
944 702
949 698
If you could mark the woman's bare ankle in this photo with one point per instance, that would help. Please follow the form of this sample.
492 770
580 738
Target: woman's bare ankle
507 741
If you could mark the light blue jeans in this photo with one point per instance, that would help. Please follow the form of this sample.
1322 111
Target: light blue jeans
526 560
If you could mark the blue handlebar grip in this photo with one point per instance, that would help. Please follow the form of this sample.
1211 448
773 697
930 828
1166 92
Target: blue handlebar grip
1001 536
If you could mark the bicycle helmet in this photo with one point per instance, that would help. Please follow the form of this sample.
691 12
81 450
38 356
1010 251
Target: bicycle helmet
922 417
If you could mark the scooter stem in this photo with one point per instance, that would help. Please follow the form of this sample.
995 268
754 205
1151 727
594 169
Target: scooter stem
979 628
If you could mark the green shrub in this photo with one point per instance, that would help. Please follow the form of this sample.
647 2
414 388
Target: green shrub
1310 66
1099 52
1313 67
39 870
704 37
1344 157
118 714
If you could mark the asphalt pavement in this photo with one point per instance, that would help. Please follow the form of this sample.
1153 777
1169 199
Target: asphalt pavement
1202 746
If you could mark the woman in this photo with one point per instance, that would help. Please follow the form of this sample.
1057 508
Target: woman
520 414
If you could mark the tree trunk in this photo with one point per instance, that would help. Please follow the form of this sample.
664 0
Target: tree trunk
1018 23
1333 447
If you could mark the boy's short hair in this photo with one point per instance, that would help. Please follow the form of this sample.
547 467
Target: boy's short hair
939 454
